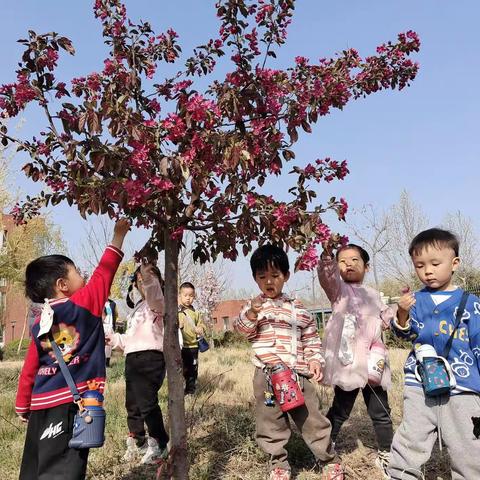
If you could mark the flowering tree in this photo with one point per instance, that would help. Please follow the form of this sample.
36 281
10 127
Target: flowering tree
173 158
208 296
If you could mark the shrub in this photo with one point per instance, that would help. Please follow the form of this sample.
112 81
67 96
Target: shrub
11 348
231 338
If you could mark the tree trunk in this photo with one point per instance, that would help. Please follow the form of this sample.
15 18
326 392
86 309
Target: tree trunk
173 359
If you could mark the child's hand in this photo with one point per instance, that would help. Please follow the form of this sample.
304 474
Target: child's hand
23 417
199 330
108 339
406 302
121 228
255 308
327 250
315 368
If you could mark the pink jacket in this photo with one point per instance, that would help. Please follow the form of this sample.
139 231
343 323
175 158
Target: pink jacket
145 323
363 302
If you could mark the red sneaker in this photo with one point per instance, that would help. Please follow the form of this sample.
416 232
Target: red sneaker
279 474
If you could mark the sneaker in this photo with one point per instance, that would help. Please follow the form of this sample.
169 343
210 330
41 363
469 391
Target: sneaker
382 461
332 471
279 474
153 453
133 450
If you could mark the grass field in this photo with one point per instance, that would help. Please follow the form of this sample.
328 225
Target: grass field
221 426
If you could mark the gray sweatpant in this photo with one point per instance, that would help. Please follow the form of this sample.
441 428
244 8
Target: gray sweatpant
423 418
273 426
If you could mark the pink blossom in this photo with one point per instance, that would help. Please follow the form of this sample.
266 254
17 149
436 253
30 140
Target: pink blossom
55 184
137 193
310 169
24 92
251 200
163 184
175 127
154 105
342 209
308 260
183 85
94 82
212 192
323 232
61 90
284 216
110 67
43 149
172 33
139 157
48 59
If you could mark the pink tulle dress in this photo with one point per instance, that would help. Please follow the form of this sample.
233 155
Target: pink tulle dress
365 304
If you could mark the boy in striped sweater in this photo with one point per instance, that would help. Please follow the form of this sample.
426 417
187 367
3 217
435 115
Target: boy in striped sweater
283 332
44 399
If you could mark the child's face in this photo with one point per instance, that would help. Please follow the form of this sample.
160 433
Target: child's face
271 281
186 296
351 265
435 266
72 282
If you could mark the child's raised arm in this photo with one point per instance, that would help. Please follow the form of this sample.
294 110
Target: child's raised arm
153 289
329 275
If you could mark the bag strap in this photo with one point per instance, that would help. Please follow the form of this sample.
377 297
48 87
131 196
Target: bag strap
65 371
458 319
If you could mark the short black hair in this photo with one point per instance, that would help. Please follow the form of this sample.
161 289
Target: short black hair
363 253
434 237
41 276
269 256
186 285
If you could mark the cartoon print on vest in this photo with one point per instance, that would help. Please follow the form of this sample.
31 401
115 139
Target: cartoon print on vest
66 337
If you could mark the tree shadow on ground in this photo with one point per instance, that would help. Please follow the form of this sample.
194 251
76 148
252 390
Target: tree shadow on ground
141 472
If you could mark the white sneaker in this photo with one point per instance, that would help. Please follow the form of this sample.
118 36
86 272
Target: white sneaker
382 461
133 451
153 452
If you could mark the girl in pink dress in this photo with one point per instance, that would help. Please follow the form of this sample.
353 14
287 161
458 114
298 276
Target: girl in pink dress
355 355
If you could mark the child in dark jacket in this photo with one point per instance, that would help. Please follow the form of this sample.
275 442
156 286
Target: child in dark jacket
44 399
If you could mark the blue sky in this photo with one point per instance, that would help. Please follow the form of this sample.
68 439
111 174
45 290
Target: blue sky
423 139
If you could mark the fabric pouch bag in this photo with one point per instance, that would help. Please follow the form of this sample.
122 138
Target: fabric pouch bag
434 375
203 345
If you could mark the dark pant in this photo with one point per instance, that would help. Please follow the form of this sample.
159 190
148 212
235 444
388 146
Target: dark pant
46 455
376 400
144 375
190 368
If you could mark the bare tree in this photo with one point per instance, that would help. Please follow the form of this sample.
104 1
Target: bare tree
371 227
462 227
405 220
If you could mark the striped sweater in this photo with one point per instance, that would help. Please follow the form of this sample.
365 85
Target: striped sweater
272 334
78 330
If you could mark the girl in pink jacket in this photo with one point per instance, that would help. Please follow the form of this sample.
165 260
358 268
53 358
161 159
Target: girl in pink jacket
142 344
355 355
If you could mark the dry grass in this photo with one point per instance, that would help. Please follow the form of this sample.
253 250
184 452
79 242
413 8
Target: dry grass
221 423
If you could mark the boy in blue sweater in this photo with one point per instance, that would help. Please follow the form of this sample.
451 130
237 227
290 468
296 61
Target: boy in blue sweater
427 317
